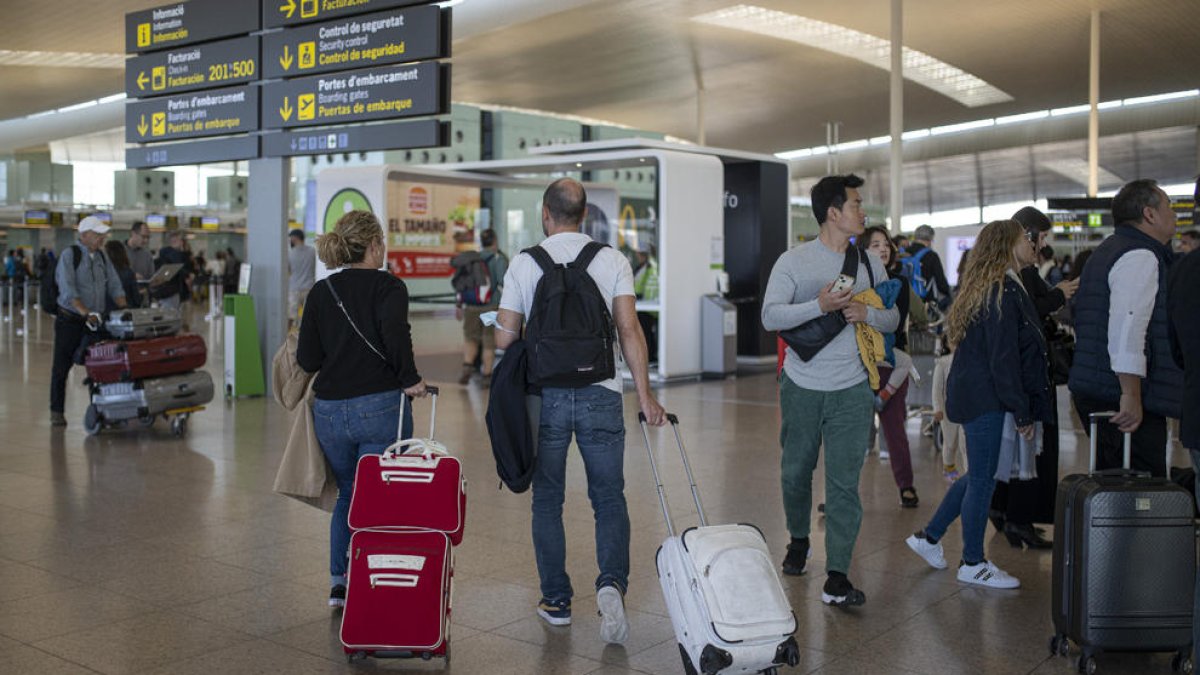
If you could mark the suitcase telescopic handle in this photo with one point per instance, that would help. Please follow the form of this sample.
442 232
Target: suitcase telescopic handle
687 466
433 392
1094 421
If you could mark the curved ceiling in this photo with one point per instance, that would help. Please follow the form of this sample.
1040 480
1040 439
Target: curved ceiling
640 62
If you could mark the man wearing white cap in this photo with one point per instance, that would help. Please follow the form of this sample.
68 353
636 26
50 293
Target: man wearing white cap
85 278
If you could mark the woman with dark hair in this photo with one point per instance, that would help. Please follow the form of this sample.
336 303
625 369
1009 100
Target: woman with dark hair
997 388
890 401
116 253
356 337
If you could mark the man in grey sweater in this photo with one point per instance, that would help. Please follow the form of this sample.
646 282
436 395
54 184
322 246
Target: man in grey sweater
826 398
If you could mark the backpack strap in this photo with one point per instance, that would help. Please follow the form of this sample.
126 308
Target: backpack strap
588 254
541 257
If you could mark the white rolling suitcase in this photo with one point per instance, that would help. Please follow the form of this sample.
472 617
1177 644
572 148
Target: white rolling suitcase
725 599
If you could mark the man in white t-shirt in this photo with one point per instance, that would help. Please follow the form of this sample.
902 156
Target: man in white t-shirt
593 414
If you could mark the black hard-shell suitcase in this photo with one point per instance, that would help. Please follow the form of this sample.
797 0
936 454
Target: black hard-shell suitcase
1124 565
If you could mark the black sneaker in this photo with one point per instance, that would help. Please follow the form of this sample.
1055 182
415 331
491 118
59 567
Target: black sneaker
797 557
337 596
908 498
839 592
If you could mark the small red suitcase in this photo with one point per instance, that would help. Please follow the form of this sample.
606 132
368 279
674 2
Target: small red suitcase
421 490
398 595
113 361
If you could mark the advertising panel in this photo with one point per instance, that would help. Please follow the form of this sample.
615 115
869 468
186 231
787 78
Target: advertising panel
428 225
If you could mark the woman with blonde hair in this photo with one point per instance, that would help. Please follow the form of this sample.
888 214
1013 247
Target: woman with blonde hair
999 369
355 335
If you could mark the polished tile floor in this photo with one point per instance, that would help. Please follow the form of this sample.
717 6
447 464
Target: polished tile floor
136 552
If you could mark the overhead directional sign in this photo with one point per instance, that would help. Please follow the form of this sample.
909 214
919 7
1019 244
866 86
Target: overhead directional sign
422 133
277 13
192 152
187 23
362 95
207 113
396 36
216 64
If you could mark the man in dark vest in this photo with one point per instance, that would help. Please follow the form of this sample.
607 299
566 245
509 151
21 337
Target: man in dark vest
1123 359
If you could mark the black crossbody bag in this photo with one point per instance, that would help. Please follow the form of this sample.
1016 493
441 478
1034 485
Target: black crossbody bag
810 337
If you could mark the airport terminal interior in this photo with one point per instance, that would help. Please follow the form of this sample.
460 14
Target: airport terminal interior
158 544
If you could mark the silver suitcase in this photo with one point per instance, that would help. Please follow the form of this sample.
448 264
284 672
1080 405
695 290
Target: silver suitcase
135 324
725 599
130 400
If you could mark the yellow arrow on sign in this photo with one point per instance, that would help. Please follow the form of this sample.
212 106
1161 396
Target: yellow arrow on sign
286 59
285 111
141 127
289 8
142 79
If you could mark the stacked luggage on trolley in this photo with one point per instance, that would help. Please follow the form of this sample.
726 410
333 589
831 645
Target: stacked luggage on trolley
407 513
148 370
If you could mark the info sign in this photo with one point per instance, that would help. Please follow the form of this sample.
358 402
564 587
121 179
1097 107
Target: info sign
278 13
359 42
216 64
187 23
358 96
205 113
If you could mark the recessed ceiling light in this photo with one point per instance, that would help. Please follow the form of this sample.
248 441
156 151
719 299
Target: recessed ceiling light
919 67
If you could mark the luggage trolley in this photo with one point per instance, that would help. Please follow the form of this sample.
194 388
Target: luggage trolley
115 405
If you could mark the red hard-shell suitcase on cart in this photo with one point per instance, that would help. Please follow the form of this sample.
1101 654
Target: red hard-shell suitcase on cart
398 595
115 361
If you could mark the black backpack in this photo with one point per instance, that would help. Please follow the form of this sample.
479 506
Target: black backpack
48 289
570 328
472 281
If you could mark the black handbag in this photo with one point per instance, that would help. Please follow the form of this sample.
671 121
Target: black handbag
1061 353
810 337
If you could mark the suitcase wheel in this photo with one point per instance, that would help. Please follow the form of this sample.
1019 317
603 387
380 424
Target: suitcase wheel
1182 662
356 656
1059 645
688 668
1086 664
92 422
147 421
179 425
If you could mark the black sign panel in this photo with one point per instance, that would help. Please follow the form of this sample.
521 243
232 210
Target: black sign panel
192 152
277 13
187 23
424 133
359 42
206 113
216 64
373 94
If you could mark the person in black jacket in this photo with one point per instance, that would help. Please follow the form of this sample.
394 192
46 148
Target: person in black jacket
1183 310
1000 371
1018 504
356 337
120 261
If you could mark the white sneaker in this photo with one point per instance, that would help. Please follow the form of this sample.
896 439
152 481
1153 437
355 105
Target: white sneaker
988 575
884 455
931 553
614 626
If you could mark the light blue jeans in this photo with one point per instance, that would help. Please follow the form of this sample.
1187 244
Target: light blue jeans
348 429
971 494
593 415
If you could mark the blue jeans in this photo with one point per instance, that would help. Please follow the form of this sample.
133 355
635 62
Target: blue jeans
593 415
348 429
972 493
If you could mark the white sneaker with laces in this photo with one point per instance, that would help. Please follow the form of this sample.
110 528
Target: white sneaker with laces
931 553
987 575
614 626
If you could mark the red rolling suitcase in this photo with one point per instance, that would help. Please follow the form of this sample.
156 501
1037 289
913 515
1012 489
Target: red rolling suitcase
407 510
414 484
114 361
398 595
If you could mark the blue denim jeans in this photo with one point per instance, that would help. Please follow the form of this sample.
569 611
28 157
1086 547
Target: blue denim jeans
593 415
348 429
972 493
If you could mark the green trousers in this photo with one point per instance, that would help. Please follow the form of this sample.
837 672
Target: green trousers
843 420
